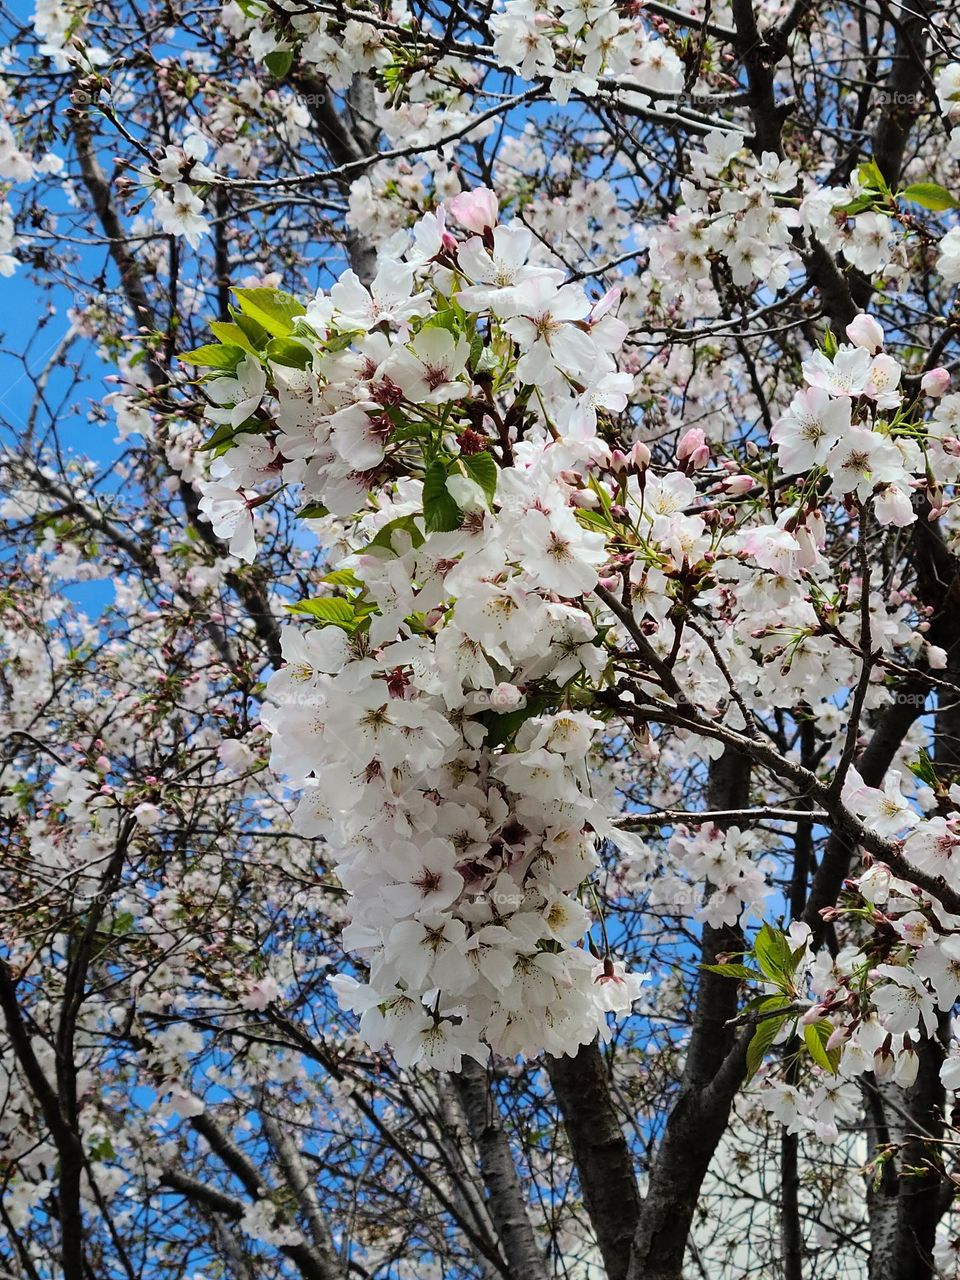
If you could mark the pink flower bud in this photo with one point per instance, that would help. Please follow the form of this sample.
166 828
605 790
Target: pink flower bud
640 455
739 484
585 499
951 445
700 457
935 382
690 442
475 210
936 657
504 697
864 331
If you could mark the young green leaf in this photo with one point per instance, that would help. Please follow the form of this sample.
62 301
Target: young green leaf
230 333
815 1037
288 352
741 971
440 512
773 954
870 175
929 195
342 578
279 62
214 356
273 309
482 469
384 539
330 610
923 769
765 1034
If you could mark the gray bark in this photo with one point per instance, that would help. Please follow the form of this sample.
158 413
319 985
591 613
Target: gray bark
506 1201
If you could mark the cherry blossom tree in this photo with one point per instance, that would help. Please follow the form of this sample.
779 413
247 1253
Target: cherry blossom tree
481 759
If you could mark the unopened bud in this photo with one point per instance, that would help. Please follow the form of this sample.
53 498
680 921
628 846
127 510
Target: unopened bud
935 382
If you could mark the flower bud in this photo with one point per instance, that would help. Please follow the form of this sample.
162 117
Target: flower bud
935 382
864 331
475 210
505 697
936 657
640 455
691 442
584 498
739 484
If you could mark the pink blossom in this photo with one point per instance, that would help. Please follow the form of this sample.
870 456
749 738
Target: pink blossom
935 382
864 331
475 210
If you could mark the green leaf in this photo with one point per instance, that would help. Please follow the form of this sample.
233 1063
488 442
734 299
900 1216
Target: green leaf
256 335
923 769
482 469
501 728
930 195
232 335
446 319
764 1036
224 436
330 610
313 511
214 356
342 578
476 350
340 341
289 352
103 1150
830 346
760 1043
773 954
870 176
384 539
593 519
273 309
734 971
279 62
815 1037
860 205
440 512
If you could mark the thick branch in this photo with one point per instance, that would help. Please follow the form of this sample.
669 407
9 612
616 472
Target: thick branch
505 1198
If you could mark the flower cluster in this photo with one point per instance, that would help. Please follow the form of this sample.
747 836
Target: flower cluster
575 45
730 210
461 628
851 420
